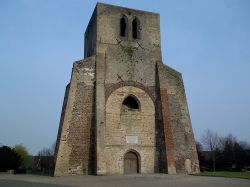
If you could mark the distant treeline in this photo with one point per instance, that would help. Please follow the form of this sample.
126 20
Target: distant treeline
217 153
18 160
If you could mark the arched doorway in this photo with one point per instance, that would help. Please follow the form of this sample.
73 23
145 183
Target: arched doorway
131 163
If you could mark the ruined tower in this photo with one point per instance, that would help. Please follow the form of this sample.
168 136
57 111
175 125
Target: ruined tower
124 111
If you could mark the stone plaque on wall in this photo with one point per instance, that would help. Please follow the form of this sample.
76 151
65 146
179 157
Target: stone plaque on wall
131 139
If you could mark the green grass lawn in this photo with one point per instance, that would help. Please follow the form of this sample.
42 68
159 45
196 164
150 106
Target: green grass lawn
242 175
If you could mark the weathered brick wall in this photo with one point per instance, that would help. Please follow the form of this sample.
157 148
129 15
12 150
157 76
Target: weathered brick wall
73 153
168 133
79 129
119 124
180 124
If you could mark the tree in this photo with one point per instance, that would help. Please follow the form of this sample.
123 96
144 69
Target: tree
9 159
211 142
45 159
233 153
245 145
201 157
246 148
26 159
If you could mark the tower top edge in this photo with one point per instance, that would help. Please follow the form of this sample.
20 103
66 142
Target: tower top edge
98 4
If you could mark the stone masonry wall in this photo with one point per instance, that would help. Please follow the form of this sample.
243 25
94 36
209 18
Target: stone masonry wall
93 129
73 156
183 139
119 124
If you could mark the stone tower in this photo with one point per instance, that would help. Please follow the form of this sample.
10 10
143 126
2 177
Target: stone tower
124 111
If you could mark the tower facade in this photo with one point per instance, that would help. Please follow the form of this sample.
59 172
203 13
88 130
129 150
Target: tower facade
124 111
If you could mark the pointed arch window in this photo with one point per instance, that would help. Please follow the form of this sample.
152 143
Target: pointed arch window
136 28
130 103
123 26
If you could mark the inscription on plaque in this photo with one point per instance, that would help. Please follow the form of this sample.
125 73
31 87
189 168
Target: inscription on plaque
131 139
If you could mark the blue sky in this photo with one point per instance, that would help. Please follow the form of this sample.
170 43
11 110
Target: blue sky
208 41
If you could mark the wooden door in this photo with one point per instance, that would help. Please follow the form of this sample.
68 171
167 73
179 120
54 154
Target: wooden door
131 163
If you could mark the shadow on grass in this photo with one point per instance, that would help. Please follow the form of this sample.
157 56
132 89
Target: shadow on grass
241 175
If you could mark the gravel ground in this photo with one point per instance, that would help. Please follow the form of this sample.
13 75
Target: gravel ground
155 180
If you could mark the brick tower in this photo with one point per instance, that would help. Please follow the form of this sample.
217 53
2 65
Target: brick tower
124 111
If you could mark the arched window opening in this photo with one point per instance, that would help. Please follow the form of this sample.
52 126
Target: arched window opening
123 27
136 28
130 103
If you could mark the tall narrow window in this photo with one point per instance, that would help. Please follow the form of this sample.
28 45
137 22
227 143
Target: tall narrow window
123 27
136 28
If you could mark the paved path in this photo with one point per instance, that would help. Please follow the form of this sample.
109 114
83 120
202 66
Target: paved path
156 180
